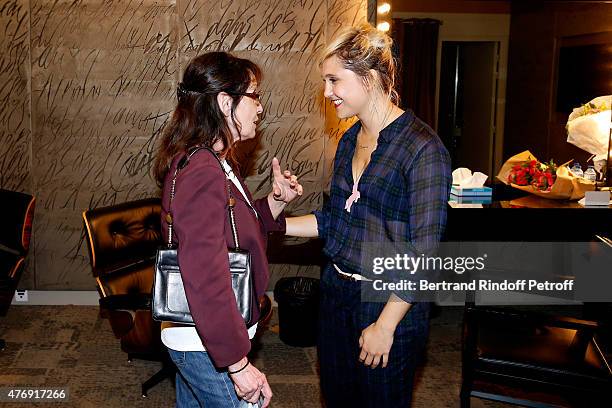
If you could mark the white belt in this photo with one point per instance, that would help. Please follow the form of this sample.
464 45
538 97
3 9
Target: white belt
351 276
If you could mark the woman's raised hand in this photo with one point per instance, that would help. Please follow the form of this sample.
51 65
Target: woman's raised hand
285 186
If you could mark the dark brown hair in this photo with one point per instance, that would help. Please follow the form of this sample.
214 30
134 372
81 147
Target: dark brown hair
197 118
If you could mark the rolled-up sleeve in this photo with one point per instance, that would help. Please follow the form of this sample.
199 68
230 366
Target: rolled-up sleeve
199 216
322 217
429 181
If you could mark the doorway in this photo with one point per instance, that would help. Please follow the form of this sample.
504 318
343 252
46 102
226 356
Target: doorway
467 103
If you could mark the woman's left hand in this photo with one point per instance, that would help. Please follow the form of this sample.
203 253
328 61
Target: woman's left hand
375 343
285 186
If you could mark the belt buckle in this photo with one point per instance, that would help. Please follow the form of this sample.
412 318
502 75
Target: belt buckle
347 277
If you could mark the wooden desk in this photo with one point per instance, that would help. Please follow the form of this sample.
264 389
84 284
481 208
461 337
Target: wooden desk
515 216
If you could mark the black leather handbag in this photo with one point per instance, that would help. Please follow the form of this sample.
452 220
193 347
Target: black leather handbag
169 302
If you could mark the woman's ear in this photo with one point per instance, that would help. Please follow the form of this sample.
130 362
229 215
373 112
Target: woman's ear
225 103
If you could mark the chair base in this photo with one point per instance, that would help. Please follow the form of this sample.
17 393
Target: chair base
532 398
512 401
167 371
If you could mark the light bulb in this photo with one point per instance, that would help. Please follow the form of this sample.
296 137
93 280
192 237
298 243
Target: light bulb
384 26
384 8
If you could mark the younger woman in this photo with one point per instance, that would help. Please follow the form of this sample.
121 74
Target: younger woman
390 186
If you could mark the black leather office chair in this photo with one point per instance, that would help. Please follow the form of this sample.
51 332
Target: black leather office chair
122 242
17 211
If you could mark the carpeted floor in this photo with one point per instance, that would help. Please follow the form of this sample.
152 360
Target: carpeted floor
71 346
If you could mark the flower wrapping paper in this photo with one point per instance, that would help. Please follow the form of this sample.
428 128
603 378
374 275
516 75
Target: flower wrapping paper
565 187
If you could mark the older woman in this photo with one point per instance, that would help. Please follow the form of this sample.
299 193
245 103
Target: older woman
218 106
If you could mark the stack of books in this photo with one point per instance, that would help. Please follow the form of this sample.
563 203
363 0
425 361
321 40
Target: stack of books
480 195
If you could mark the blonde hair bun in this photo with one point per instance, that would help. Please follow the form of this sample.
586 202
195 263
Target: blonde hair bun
377 38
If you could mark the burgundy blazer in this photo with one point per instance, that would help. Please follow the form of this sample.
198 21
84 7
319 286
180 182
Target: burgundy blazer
203 234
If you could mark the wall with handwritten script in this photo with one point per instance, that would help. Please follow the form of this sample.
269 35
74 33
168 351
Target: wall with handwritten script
87 87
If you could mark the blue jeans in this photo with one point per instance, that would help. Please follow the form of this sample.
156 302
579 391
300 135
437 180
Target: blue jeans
200 384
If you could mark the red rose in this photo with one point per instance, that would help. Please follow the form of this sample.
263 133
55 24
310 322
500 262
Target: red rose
540 176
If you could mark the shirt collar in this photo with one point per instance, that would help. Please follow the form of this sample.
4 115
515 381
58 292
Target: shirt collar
387 134
396 126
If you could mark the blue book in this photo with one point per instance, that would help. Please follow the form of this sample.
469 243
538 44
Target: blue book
471 199
471 191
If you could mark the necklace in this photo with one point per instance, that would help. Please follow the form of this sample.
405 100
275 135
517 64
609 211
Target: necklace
367 146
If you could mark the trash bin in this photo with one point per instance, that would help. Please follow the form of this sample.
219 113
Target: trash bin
298 310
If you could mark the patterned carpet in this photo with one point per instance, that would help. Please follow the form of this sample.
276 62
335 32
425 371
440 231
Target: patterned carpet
71 346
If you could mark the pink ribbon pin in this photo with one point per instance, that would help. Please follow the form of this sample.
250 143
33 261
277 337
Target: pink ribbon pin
352 198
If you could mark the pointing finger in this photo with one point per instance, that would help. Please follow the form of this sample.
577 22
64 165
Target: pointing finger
276 171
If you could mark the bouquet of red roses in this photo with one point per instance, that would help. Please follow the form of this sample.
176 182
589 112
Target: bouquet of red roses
532 172
525 172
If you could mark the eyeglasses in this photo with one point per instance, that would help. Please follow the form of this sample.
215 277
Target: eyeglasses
256 96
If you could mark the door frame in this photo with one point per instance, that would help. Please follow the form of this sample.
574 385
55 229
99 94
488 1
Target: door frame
459 27
494 109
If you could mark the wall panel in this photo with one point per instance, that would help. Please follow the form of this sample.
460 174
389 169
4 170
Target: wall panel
89 86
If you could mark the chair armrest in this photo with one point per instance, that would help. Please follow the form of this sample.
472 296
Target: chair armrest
132 301
534 318
307 253
573 323
10 250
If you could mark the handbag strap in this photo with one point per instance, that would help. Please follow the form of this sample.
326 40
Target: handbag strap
231 202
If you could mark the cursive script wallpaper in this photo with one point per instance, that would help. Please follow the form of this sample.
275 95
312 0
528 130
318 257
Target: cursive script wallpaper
87 87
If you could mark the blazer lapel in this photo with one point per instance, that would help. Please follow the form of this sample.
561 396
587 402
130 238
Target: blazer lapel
238 195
